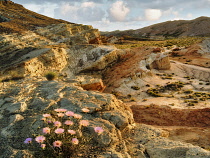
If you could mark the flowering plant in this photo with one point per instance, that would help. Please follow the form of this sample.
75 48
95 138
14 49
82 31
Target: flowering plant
64 134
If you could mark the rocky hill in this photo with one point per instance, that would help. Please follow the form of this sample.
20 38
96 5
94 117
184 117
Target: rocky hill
101 84
178 28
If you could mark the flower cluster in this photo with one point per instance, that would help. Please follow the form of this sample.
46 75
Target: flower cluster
64 129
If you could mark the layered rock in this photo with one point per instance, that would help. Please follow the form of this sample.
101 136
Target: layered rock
20 114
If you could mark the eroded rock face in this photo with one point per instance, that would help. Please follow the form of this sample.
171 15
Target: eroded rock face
21 114
46 49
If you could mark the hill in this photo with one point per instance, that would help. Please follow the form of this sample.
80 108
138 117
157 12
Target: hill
15 18
169 29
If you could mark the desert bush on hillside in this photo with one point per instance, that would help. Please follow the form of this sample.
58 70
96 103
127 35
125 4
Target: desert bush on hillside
50 76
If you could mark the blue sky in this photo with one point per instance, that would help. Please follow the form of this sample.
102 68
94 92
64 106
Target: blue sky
108 15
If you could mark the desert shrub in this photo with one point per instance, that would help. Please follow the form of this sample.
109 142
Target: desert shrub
191 104
50 76
135 87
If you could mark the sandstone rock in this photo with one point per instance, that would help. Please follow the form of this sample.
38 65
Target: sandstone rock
28 121
154 144
90 82
161 64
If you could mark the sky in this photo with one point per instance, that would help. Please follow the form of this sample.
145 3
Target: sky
109 15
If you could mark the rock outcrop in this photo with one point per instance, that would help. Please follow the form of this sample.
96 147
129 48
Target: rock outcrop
85 69
21 111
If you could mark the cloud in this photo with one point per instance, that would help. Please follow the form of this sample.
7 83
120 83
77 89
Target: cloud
118 11
81 12
153 14
45 9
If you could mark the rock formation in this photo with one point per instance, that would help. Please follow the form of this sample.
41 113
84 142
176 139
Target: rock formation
85 69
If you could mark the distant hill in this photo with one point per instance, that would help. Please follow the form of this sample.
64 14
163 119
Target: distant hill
178 28
15 18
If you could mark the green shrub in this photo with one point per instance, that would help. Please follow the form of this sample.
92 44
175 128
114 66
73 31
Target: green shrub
50 76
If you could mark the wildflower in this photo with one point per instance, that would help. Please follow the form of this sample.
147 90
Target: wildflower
72 132
59 130
46 115
84 122
77 116
60 114
57 143
85 110
43 146
28 140
98 130
75 141
69 113
57 124
60 110
49 121
68 122
46 130
40 139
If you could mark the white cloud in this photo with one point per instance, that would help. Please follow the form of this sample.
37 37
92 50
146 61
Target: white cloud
88 4
189 15
47 9
81 12
119 11
153 14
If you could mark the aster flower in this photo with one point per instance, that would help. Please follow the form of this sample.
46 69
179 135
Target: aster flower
59 130
69 113
85 110
43 146
77 116
28 140
46 130
75 141
84 122
46 115
60 114
57 123
72 132
98 130
60 110
68 122
40 139
57 143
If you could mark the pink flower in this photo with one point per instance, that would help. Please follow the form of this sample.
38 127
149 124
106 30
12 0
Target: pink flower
28 140
77 116
46 115
60 114
84 122
69 113
75 141
60 110
68 122
40 139
85 110
43 146
72 132
57 143
59 130
46 130
57 124
98 130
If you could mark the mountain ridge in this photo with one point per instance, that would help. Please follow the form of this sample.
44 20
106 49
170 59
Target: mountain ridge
17 19
178 28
